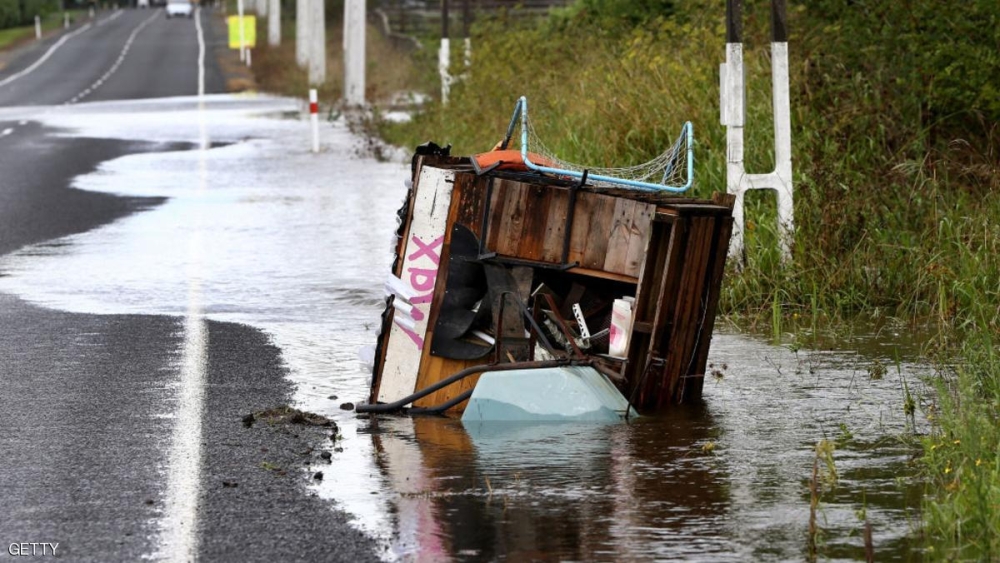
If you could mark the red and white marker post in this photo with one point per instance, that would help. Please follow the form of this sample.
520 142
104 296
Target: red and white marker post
314 117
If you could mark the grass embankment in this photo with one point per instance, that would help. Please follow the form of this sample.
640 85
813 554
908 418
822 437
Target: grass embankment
897 176
13 36
389 70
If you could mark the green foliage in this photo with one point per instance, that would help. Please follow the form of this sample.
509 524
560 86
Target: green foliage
10 13
962 460
32 8
616 14
944 59
15 13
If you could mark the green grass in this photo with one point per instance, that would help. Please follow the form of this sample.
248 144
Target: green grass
12 36
389 70
896 144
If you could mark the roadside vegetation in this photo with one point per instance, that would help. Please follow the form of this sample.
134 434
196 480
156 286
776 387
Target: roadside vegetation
17 22
15 13
896 141
896 147
390 70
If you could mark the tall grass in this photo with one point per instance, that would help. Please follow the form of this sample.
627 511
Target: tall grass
388 71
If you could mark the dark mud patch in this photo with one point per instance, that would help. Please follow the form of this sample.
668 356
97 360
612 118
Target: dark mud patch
288 415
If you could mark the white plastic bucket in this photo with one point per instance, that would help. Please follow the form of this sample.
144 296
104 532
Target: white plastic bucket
621 322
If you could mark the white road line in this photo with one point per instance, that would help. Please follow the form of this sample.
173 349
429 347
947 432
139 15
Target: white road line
179 539
118 63
62 41
6 132
111 18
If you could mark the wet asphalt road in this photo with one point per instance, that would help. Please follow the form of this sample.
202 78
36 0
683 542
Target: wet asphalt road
89 403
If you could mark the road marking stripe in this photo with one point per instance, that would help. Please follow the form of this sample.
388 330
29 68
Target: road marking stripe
178 539
6 132
111 18
45 57
118 63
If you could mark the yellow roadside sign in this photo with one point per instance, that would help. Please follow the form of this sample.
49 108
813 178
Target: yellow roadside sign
249 31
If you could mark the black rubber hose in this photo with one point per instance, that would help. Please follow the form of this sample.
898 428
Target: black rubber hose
398 405
439 409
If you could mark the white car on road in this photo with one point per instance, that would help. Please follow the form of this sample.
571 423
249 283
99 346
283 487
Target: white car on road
179 8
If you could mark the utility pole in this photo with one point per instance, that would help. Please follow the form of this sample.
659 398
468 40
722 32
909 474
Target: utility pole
242 30
467 33
302 33
444 54
317 43
274 23
354 52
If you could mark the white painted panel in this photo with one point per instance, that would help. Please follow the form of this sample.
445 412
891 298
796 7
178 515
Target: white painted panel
420 267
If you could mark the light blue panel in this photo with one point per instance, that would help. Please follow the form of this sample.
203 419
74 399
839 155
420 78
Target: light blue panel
570 393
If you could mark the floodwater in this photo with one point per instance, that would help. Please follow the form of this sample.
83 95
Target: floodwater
298 245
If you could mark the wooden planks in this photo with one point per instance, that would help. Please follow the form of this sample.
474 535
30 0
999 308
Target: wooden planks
529 222
676 302
717 265
420 264
467 200
672 249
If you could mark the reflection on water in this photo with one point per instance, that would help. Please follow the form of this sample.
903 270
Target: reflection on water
553 490
299 246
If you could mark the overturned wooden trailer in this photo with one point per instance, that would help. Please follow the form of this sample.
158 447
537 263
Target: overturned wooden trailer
508 270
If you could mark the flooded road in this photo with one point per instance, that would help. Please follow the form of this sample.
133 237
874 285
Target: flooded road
257 230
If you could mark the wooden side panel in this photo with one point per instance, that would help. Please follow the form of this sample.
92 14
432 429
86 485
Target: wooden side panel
621 230
664 301
468 198
472 190
512 219
497 200
638 240
555 229
646 300
717 265
581 227
420 265
688 311
601 217
537 218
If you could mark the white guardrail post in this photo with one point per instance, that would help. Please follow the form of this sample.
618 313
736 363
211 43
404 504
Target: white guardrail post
314 118
733 115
